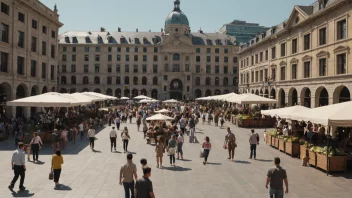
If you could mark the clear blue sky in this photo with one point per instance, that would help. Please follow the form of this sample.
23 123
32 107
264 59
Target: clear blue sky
210 15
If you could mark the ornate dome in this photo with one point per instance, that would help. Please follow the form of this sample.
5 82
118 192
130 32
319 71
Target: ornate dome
176 16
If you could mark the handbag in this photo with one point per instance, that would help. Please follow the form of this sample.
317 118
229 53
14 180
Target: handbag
172 151
51 175
201 154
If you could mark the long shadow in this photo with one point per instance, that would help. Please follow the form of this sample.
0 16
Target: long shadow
177 168
242 162
63 187
118 152
96 151
38 162
213 163
130 152
346 175
264 160
185 160
22 193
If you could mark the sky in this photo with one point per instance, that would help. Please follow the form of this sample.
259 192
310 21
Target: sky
210 16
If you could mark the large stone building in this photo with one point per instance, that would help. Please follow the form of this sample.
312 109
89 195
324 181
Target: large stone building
173 63
242 30
304 60
28 51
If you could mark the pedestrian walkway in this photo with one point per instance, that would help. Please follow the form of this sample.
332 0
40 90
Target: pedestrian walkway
96 174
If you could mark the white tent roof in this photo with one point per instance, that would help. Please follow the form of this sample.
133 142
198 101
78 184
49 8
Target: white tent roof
84 97
251 99
204 98
148 101
285 112
333 115
159 117
51 99
106 97
142 97
171 101
163 111
124 98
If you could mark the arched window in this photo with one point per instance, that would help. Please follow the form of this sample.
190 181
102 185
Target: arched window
63 80
144 80
85 80
96 80
197 81
217 81
207 81
118 80
127 80
135 80
226 81
176 57
155 80
73 80
109 80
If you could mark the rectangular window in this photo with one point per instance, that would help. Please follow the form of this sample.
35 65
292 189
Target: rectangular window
53 34
197 68
235 59
135 58
63 69
252 77
109 68
341 29
144 49
127 69
155 50
52 72
283 49
118 57
208 50
261 56
34 24
197 50
63 58
73 58
217 69
273 74
306 73
118 49
97 49
53 49
306 42
97 58
34 44
252 60
266 75
208 69
208 59
135 68
165 77
21 17
226 59
20 42
109 57
109 49
155 58
166 67
4 33
256 58
96 68
5 8
216 59
322 36
136 49
176 68
341 64
234 70
73 49
273 53
266 54
44 70
155 69
294 71
44 29
43 48
86 57
118 68
20 65
283 73
226 51
86 49
86 68
322 67
33 68
144 69
187 67
145 59
256 76
217 50
64 49
294 46
261 75
73 68
226 69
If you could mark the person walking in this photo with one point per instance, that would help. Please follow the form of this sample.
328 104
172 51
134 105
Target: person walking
36 144
56 162
18 164
117 122
130 116
139 122
159 150
276 176
113 136
253 141
127 172
145 130
180 141
91 135
183 124
144 187
55 140
171 148
230 143
125 138
144 163
192 129
81 129
206 149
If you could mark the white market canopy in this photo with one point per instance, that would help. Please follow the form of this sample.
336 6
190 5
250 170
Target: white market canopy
51 99
338 115
84 97
285 112
124 98
205 98
106 97
250 99
224 96
171 101
159 117
163 111
142 97
148 101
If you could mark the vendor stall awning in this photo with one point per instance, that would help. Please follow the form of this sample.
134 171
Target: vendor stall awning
285 112
251 99
141 97
171 101
163 111
148 101
84 97
159 117
106 97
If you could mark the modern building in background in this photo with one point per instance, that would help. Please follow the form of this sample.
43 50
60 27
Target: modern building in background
304 60
28 52
173 63
242 30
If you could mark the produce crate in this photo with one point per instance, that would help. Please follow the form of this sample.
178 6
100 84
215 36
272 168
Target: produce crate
276 143
281 145
292 149
268 138
303 152
312 158
335 163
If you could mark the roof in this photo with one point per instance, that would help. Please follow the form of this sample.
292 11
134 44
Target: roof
176 17
145 38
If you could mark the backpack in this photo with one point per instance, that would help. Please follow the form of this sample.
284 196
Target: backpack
257 138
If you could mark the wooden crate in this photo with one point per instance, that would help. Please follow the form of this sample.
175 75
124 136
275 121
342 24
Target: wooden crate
292 149
336 163
303 152
281 145
312 158
268 139
276 143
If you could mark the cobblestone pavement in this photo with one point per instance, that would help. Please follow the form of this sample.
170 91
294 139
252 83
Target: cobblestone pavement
95 174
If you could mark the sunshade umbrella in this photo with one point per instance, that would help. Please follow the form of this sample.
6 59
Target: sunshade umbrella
163 111
141 97
106 97
159 117
148 101
81 96
124 98
285 112
251 99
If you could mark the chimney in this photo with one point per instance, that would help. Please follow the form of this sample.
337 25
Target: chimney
162 29
137 30
119 29
102 29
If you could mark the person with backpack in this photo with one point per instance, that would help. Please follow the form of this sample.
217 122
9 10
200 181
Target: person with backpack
230 143
139 122
253 141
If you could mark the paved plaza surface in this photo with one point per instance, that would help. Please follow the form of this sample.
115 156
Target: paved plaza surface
96 174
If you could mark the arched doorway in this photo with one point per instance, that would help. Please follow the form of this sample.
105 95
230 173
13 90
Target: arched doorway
155 94
261 92
273 94
85 90
97 90
257 92
144 92
118 93
226 91
207 93
292 97
126 93
341 94
73 90
53 89
5 95
21 93
266 93
176 88
321 97
282 98
134 93
63 90
252 91
217 92
198 93
109 92
306 97
44 90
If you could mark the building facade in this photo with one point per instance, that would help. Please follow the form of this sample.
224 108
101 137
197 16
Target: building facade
28 52
304 60
173 63
242 30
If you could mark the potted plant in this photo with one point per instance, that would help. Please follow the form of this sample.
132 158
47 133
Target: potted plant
281 140
292 146
330 159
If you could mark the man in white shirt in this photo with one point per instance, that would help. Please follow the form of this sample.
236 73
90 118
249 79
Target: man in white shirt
113 136
253 141
91 135
18 166
81 129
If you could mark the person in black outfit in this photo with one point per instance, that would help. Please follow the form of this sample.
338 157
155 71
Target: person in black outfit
18 166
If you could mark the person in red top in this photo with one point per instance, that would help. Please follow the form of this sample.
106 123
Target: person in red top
206 149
